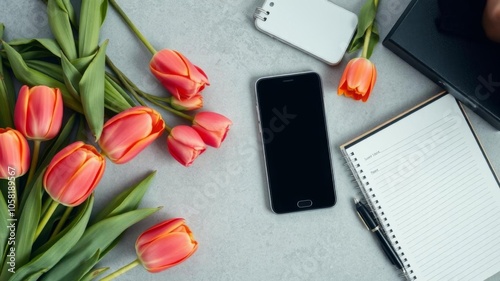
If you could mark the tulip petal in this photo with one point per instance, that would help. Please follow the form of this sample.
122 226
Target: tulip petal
179 86
182 153
135 149
14 153
118 136
40 108
129 132
21 109
73 173
60 175
342 89
88 175
167 251
169 61
359 75
158 230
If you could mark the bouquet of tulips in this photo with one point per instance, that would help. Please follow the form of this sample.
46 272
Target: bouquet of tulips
46 191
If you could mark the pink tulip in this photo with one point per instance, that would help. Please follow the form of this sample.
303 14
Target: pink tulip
129 132
185 144
73 173
14 154
195 102
164 245
212 127
38 112
177 74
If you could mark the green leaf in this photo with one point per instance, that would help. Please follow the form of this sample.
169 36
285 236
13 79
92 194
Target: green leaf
365 19
93 274
95 238
36 275
92 92
52 70
26 227
92 15
126 201
4 231
59 245
31 77
116 97
6 100
84 268
82 63
28 222
7 95
38 44
60 13
71 76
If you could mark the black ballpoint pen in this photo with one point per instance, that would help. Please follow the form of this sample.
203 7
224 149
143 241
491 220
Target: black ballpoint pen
371 225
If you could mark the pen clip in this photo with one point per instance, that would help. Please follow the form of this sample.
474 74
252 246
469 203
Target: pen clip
362 220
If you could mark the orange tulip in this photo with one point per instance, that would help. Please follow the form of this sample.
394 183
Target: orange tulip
358 79
177 74
195 102
14 154
129 132
185 144
73 173
212 127
38 112
165 245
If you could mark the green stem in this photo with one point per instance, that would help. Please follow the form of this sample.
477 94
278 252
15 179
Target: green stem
168 108
368 34
45 219
367 41
121 270
133 27
124 81
154 99
46 205
61 221
34 160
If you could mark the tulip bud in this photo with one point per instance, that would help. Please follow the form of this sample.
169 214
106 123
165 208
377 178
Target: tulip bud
164 245
38 112
14 154
358 79
177 74
212 127
195 102
129 132
185 144
73 173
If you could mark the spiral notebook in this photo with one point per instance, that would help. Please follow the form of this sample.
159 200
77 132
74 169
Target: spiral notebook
319 28
432 188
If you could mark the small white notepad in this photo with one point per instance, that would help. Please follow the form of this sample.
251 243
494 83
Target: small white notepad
433 189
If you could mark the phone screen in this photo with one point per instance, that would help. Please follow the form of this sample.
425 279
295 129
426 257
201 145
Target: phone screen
295 139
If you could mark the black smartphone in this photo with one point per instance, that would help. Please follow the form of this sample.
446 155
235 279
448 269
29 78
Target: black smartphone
294 134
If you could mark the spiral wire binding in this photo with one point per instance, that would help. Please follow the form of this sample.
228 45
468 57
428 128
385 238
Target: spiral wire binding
357 173
260 14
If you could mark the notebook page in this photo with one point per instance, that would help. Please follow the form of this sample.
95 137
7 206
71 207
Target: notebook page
434 192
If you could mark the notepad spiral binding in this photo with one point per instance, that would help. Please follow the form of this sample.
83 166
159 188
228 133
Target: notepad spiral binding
360 178
260 14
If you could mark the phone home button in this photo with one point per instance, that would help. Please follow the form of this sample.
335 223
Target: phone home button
304 203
